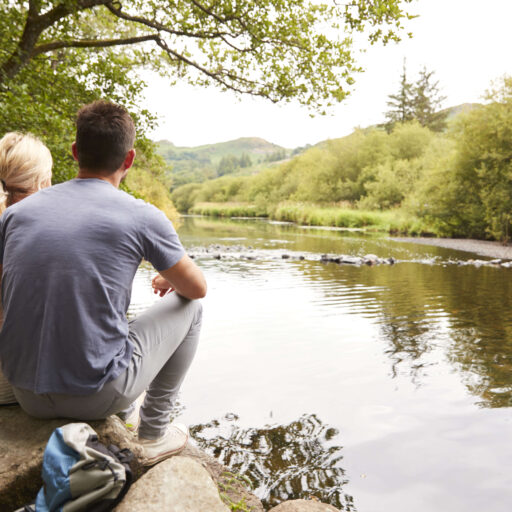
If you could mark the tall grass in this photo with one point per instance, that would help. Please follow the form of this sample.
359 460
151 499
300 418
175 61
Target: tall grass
228 210
391 221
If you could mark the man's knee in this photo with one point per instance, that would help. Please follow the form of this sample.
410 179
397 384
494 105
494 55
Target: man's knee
197 310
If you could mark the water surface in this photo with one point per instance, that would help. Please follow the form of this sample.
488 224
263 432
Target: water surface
373 388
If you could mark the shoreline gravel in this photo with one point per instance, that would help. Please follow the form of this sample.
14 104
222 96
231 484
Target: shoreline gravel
480 247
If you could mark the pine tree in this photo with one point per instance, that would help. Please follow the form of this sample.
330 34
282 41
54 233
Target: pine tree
401 105
244 161
427 102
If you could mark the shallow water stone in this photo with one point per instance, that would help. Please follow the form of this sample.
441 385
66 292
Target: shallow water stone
179 484
303 506
351 260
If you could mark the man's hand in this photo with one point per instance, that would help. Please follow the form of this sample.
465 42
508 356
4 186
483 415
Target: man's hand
161 286
185 278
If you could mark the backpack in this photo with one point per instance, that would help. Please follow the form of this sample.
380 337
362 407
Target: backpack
80 473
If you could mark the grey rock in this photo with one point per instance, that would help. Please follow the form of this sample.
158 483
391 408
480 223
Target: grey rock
351 260
285 256
507 264
232 487
303 506
179 484
23 440
495 262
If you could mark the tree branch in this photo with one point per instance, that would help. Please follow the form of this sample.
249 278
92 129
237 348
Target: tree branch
92 43
214 76
33 8
159 26
208 11
35 25
62 10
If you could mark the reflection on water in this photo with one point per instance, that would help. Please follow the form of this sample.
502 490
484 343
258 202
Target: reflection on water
419 308
412 363
284 462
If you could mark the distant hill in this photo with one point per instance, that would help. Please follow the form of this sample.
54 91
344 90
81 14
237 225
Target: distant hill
243 156
196 164
453 112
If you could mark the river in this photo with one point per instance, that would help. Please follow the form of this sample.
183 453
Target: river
374 388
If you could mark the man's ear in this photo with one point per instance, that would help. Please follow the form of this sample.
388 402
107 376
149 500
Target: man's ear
130 157
74 151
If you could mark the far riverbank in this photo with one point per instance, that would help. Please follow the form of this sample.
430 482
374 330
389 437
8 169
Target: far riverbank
480 247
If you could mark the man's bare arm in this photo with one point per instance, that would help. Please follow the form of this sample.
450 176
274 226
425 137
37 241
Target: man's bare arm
186 278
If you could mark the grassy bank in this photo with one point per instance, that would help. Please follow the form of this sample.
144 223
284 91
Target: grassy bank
391 221
228 210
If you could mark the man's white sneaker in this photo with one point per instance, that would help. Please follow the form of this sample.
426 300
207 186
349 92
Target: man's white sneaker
171 443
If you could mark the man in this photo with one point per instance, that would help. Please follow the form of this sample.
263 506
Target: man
69 256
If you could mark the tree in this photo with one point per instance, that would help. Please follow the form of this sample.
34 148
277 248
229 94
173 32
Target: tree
420 100
244 161
485 158
427 102
227 165
400 105
275 49
466 189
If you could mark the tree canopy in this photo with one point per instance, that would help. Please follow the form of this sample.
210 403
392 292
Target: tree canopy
277 49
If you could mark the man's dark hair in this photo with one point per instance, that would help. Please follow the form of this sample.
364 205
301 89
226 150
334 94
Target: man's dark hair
104 134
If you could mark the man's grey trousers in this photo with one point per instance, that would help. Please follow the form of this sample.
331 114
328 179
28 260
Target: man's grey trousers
165 338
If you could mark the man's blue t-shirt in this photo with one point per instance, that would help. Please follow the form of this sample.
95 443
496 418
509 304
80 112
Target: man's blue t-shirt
69 256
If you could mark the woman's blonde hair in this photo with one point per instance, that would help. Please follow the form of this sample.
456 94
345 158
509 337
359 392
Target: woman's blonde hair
25 166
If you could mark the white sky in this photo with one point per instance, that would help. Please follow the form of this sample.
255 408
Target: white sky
468 43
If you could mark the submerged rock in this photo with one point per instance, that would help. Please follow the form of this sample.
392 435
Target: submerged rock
371 259
303 506
180 484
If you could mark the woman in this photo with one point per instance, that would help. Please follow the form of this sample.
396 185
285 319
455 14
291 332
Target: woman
25 168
